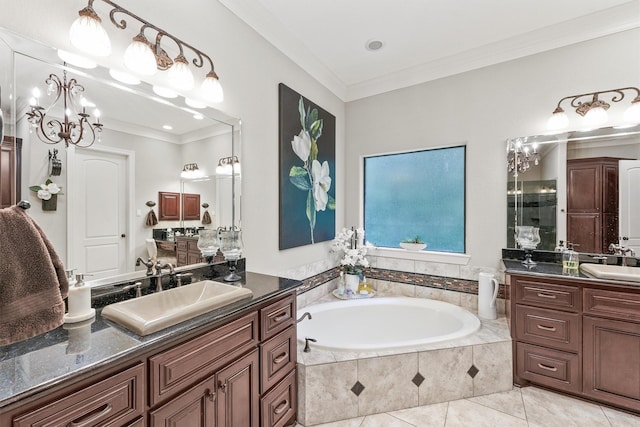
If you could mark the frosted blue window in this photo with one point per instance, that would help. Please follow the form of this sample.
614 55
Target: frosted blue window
420 193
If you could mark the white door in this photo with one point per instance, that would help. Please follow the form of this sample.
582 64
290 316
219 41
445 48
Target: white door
98 217
629 188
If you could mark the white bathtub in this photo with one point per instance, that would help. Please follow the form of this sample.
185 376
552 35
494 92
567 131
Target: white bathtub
383 323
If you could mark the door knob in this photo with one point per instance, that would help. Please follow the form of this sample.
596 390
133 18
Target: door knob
123 235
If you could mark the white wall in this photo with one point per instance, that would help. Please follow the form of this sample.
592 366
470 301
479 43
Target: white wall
483 108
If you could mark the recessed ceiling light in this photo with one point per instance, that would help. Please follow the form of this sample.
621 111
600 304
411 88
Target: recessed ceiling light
123 77
75 59
167 127
374 45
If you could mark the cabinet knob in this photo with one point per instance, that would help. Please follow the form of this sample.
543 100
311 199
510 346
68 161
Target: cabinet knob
222 386
210 395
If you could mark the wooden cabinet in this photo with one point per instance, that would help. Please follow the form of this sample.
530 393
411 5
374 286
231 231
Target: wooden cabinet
592 203
187 251
10 169
168 206
578 336
190 206
239 374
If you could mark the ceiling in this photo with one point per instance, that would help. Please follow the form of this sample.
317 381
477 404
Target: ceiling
423 39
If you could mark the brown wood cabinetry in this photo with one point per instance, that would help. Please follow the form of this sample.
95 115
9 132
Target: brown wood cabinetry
592 203
168 206
190 206
187 251
10 168
579 336
239 374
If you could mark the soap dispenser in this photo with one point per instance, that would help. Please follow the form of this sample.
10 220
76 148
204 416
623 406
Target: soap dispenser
570 261
79 300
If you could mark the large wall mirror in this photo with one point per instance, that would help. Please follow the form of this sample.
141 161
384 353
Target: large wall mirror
585 189
98 223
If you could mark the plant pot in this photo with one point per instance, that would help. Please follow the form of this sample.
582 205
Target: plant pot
413 246
51 204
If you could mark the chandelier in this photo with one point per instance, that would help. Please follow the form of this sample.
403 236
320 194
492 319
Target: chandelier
521 156
142 56
75 127
594 110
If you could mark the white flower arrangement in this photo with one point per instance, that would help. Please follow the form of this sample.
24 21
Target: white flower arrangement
354 259
47 190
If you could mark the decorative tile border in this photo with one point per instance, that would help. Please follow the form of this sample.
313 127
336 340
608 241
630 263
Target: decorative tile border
417 279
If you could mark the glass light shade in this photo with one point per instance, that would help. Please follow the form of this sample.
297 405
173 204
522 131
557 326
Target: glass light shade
595 117
208 242
123 77
88 35
212 89
632 114
230 242
139 58
558 121
180 75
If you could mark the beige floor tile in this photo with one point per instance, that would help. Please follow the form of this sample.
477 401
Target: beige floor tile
352 422
547 409
621 419
509 402
383 420
424 416
463 413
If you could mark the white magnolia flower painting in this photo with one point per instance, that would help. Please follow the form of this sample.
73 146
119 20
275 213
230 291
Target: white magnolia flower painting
307 171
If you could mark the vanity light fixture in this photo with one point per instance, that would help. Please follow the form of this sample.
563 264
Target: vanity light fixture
191 171
521 156
228 166
594 110
75 128
143 56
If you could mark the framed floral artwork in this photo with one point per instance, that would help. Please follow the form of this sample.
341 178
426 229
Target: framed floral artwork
307 171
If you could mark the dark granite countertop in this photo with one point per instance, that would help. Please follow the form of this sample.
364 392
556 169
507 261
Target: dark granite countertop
30 366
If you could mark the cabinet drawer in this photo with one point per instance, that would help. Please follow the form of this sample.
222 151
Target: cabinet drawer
549 328
280 404
192 245
616 305
192 361
548 367
548 295
114 401
277 317
277 357
181 245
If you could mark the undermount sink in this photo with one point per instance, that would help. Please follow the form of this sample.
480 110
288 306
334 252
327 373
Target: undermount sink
151 313
612 272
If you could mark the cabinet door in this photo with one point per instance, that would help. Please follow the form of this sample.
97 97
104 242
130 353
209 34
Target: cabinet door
190 206
612 361
585 230
193 408
168 206
238 398
584 186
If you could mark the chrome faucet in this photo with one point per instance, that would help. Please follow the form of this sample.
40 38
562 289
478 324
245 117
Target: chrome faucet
160 266
180 276
137 286
622 251
148 264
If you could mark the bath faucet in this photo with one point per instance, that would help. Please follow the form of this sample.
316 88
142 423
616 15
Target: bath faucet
180 276
622 251
148 264
160 266
306 314
307 349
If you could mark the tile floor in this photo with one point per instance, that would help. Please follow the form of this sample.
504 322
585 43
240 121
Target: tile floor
528 406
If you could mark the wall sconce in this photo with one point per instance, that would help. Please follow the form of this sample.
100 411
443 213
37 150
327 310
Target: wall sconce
75 128
228 166
191 171
142 56
594 110
521 155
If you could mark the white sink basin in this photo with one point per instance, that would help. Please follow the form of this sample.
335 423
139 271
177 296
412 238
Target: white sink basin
612 272
154 312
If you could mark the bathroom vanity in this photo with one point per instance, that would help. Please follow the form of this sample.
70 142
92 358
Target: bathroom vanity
575 334
234 366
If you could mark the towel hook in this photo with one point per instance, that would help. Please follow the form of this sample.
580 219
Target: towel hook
24 204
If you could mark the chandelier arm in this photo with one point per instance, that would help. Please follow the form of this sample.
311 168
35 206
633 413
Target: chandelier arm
199 55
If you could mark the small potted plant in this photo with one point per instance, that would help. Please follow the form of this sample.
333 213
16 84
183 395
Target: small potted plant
413 244
48 193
